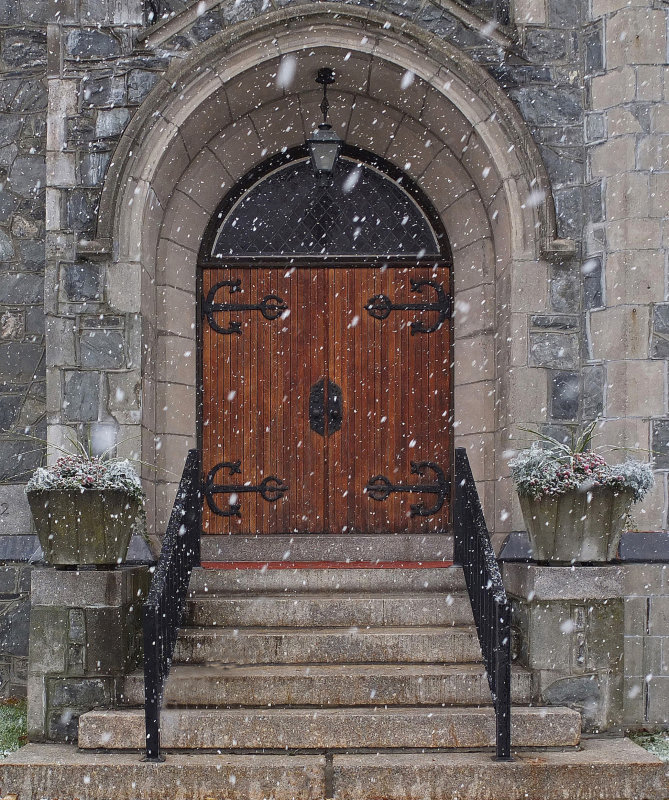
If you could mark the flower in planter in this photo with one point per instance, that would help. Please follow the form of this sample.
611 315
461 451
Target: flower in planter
83 471
551 468
86 507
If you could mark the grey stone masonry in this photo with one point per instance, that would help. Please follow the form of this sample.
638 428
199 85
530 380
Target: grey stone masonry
14 626
646 701
85 635
23 107
569 627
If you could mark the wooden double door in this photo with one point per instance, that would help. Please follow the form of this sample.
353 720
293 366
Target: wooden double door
326 402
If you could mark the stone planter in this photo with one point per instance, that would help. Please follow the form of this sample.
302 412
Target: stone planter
78 528
579 526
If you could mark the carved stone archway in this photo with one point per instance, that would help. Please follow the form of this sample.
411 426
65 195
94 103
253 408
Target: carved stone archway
401 94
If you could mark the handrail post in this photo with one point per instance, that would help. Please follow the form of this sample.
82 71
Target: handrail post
167 597
151 686
491 610
503 681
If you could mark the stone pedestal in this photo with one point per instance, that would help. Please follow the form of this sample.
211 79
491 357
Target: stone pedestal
85 635
569 627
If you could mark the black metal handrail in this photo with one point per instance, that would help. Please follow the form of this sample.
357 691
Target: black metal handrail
492 612
166 601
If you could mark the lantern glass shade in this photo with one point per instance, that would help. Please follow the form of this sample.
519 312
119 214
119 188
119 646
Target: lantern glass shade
324 146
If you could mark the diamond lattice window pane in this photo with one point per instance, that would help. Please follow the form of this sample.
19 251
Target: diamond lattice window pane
361 212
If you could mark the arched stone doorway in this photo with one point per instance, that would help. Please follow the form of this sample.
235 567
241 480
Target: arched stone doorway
422 105
325 370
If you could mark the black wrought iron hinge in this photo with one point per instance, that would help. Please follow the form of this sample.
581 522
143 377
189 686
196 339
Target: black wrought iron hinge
380 488
270 489
381 305
271 307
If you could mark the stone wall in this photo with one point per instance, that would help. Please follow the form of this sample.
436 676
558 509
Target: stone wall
85 636
627 166
646 697
23 106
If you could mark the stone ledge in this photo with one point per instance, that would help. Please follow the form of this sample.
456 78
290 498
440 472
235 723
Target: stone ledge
85 588
604 769
537 583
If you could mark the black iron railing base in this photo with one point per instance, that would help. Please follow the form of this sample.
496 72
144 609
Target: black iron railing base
490 607
165 604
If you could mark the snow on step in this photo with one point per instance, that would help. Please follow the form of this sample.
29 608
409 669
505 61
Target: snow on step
602 769
331 610
298 728
216 685
327 645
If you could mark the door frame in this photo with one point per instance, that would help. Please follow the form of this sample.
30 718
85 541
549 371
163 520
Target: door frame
254 176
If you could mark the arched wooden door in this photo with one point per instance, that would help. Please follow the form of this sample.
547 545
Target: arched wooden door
326 397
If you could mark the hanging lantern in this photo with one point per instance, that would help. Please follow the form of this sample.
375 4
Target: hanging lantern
324 144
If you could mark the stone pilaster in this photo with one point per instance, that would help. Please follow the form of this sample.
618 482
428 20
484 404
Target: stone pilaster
569 627
85 636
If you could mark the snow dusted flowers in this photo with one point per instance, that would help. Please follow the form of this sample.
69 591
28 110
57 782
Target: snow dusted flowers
83 471
551 468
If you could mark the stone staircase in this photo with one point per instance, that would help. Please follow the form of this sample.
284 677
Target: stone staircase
349 684
358 659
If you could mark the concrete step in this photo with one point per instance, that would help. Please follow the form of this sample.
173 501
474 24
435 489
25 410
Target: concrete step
327 645
327 685
260 580
602 769
315 548
329 610
358 728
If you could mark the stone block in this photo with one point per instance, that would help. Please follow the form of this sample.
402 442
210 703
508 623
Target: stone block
658 700
634 276
100 92
549 105
620 332
633 656
92 43
627 195
14 627
123 289
10 407
81 396
533 582
565 287
613 88
27 177
17 518
635 388
111 122
594 378
82 281
545 44
81 209
93 167
564 395
653 152
140 83
528 393
556 350
636 36
21 288
48 639
612 157
658 616
24 361
660 443
103 349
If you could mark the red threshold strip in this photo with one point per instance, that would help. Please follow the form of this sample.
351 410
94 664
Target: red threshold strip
326 564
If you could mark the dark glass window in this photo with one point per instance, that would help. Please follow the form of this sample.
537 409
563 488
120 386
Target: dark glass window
360 212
